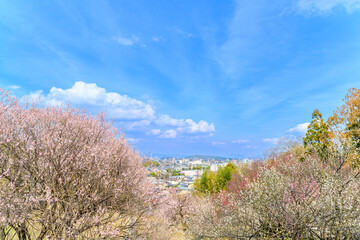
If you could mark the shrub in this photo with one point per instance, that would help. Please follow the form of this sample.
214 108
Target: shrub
285 198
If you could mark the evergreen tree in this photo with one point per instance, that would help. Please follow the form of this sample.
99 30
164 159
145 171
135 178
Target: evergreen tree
318 135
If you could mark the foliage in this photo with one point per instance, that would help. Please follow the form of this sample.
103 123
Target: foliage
318 135
344 124
152 174
174 172
347 117
197 168
211 182
284 198
150 163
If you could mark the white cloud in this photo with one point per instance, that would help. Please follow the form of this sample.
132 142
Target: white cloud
169 134
240 141
166 120
250 146
154 132
131 113
115 105
271 140
186 126
127 41
217 143
200 127
33 96
300 128
326 6
135 125
14 86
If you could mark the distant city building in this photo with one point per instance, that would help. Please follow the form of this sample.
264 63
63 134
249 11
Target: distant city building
215 167
192 173
196 162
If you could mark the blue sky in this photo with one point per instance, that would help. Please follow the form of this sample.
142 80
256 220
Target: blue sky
184 77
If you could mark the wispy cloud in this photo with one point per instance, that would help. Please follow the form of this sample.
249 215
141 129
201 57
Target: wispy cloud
134 140
169 134
124 41
158 39
271 140
242 43
250 146
166 120
133 125
241 141
14 87
154 132
182 32
217 143
127 41
326 6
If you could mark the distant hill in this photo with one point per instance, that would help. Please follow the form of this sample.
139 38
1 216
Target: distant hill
205 157
167 157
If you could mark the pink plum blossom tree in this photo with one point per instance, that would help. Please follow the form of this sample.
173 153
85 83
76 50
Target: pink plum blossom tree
66 174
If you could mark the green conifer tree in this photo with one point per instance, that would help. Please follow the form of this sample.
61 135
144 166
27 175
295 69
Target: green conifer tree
318 135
